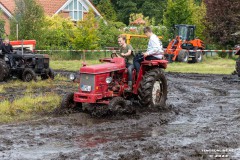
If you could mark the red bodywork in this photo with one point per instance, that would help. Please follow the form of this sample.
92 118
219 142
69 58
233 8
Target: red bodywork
95 76
31 44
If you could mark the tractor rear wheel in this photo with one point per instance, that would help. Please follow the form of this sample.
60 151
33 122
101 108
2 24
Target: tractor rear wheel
49 74
183 56
238 67
198 57
4 70
29 75
153 89
68 103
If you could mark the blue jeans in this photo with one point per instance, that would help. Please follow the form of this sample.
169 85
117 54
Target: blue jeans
130 68
139 58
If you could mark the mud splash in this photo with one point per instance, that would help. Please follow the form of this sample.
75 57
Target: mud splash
201 122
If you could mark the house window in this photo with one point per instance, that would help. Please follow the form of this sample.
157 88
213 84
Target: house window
76 10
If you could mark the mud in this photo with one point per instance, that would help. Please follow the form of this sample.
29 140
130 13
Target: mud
201 121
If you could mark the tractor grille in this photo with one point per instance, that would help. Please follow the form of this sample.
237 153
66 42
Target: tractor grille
87 79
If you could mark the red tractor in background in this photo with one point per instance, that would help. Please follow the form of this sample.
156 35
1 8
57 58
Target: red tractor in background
103 86
185 45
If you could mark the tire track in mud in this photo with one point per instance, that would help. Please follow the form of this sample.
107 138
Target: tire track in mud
202 122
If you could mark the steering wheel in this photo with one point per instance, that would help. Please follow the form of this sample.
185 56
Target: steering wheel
114 55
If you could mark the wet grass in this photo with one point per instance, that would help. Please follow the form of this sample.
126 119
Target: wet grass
21 101
210 65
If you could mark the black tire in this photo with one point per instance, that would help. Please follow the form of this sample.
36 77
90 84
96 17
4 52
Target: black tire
198 57
4 70
50 74
238 67
147 93
183 56
117 105
29 75
69 104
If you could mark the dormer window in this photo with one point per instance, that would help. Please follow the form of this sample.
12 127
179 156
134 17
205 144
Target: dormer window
76 10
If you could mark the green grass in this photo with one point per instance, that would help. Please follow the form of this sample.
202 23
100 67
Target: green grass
27 107
212 65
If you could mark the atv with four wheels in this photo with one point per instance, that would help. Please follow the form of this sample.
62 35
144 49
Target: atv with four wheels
27 66
103 86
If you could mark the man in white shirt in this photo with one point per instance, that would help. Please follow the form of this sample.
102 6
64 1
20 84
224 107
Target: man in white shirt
154 49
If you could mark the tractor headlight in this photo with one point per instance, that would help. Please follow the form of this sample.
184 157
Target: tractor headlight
108 80
72 76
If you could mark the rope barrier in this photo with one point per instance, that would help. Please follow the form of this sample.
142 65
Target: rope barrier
118 50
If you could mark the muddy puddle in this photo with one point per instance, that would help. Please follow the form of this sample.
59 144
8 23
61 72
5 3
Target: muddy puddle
202 122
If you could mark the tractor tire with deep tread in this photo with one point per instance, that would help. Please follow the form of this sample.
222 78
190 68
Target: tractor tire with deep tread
183 56
68 104
4 70
198 57
29 75
238 67
117 105
152 91
50 74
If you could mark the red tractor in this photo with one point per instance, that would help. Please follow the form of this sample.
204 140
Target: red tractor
185 45
103 86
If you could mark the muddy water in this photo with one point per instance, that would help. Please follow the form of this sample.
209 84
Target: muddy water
201 122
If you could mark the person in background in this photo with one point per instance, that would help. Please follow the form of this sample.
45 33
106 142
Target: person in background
7 48
154 49
126 51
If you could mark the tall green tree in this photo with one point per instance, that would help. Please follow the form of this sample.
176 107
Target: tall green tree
29 16
184 12
106 9
2 24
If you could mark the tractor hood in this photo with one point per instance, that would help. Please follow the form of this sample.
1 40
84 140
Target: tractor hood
110 65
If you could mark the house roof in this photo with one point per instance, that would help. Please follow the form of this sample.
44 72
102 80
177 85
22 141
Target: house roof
50 6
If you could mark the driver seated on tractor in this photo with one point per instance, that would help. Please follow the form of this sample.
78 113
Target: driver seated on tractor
126 51
7 48
154 49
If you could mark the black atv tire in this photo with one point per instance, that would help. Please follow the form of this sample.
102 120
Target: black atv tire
29 75
118 105
198 57
150 97
69 104
50 74
238 67
183 56
4 70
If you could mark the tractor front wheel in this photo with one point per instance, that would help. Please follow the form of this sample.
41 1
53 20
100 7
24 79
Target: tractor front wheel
118 104
68 103
198 57
183 56
238 67
4 70
29 75
153 89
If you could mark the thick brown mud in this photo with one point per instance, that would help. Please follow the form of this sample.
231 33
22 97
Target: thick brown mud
201 121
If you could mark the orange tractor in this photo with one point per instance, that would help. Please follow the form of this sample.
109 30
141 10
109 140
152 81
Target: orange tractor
185 45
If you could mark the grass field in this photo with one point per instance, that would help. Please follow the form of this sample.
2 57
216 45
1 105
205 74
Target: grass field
213 65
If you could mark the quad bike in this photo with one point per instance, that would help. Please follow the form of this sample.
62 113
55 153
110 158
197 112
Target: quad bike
237 48
103 87
27 65
185 45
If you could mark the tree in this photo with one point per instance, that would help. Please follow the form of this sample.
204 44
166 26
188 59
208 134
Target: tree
222 21
30 18
2 24
106 9
184 12
85 34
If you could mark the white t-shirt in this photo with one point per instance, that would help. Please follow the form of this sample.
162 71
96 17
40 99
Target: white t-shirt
155 47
